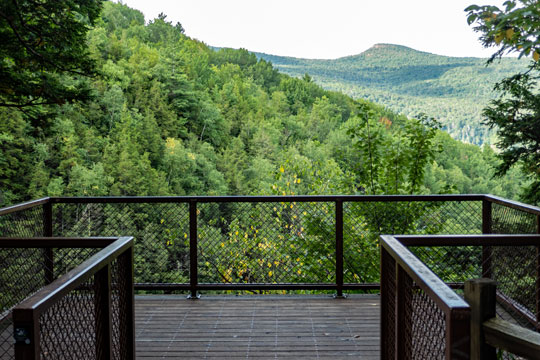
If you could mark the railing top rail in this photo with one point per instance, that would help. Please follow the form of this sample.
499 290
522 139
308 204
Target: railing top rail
56 242
434 287
513 204
470 240
23 206
291 198
49 294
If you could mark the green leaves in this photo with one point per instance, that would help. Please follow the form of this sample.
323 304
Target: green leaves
42 47
512 29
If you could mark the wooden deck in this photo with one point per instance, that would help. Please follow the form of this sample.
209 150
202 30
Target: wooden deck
260 327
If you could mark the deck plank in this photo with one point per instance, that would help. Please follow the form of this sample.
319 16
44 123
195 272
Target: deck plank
258 327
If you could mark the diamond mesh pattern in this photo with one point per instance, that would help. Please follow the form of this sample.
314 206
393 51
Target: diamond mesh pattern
285 242
428 326
506 220
68 328
22 274
119 309
22 223
513 267
161 232
365 221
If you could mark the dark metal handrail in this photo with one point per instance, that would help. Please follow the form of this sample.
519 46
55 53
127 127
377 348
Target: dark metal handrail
24 206
410 270
26 315
396 250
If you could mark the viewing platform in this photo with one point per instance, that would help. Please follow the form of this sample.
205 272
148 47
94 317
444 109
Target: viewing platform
107 278
257 326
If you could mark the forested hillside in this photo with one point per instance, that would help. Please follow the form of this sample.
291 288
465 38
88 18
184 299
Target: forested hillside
168 115
453 90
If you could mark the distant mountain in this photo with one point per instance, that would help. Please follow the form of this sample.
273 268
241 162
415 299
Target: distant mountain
451 89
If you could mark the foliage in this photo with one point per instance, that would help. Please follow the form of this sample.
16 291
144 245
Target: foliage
453 90
515 114
511 29
44 51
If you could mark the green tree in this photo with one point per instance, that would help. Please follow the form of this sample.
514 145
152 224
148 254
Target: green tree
516 113
44 51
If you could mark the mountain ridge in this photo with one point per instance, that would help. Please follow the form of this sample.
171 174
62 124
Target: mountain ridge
452 89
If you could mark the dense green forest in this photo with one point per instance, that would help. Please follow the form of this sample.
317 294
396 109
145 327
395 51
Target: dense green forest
168 115
410 82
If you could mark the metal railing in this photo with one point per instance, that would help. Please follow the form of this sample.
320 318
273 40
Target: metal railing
421 317
299 243
80 303
513 262
263 243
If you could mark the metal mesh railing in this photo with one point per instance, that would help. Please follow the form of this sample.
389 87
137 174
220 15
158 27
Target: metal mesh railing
364 222
421 318
427 328
67 326
281 240
161 231
23 271
515 268
286 242
24 222
75 327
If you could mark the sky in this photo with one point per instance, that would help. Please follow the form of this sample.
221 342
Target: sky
326 29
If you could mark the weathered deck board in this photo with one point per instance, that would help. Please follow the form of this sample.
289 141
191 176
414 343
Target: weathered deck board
260 327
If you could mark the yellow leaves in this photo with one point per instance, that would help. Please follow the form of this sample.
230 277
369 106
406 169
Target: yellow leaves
185 235
228 275
509 34
222 245
498 38
270 273
269 264
536 55
191 156
298 181
171 144
162 221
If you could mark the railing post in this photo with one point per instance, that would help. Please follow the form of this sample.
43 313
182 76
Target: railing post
48 255
127 296
193 270
102 281
458 334
26 334
487 228
403 323
482 298
385 299
339 248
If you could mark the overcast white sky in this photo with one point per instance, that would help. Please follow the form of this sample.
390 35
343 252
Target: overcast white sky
324 29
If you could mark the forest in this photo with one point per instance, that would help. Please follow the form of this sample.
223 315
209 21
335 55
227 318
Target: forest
410 82
168 115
